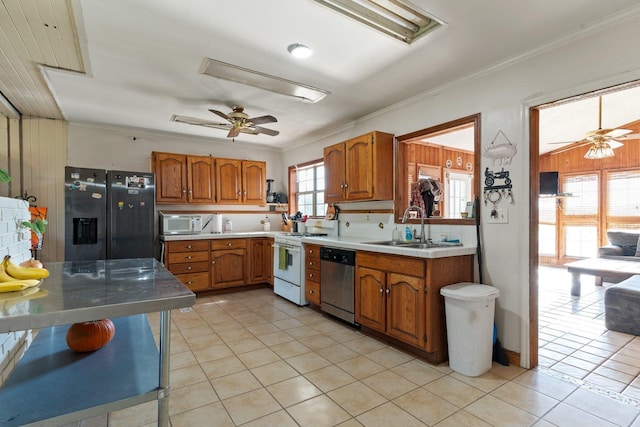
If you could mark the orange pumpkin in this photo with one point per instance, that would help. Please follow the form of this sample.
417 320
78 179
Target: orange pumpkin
90 336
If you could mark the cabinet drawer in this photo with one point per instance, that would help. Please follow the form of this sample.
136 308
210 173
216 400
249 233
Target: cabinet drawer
312 263
228 244
312 275
189 267
312 290
195 281
186 246
392 263
187 257
312 251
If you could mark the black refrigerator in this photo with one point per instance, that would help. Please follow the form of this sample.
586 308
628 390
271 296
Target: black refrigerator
108 214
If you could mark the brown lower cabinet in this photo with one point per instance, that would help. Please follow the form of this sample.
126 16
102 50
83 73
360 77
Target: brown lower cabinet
204 265
312 273
399 297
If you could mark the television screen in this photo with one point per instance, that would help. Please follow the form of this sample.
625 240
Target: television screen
548 183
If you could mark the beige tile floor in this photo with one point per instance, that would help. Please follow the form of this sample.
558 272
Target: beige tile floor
254 359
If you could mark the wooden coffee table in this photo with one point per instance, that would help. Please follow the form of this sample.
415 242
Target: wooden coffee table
612 268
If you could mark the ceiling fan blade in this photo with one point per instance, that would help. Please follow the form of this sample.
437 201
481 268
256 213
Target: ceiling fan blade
262 120
235 131
221 114
615 144
563 142
615 133
266 131
627 136
199 122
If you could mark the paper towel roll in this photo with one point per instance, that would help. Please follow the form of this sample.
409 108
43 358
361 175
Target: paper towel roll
217 223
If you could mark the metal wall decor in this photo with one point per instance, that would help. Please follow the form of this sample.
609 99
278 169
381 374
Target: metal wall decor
500 154
495 192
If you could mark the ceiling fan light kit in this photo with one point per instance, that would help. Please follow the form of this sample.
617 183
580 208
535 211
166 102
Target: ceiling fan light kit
599 150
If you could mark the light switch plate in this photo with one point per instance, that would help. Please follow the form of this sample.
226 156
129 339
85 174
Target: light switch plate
501 217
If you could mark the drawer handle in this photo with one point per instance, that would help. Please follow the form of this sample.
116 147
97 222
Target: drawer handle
213 262
189 247
228 244
189 257
189 268
310 262
310 274
189 282
310 291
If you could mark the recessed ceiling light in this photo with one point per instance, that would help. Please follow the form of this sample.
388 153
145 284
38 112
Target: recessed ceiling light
299 50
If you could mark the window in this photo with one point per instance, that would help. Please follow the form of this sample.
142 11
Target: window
309 194
458 191
580 215
622 203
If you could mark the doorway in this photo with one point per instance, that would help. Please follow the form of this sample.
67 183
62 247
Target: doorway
569 122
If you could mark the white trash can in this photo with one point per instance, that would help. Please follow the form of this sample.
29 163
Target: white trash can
469 311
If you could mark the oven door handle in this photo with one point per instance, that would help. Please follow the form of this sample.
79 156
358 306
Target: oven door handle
288 248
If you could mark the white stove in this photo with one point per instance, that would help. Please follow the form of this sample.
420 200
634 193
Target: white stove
288 260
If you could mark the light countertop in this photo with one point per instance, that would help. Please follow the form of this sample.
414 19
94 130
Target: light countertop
344 242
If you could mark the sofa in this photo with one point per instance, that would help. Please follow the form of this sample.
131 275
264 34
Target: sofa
622 245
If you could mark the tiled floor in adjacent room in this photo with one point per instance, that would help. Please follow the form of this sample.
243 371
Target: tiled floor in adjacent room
254 359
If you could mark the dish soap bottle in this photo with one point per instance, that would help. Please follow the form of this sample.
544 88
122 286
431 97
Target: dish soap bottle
266 224
407 234
396 235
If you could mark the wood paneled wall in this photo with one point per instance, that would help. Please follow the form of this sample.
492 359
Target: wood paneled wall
435 155
44 156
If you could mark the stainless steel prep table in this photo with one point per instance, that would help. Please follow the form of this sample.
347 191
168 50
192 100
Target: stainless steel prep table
52 385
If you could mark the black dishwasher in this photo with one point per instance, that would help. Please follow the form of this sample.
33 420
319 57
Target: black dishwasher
337 293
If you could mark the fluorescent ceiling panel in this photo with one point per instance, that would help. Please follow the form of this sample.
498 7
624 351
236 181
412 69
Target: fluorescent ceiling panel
225 71
396 18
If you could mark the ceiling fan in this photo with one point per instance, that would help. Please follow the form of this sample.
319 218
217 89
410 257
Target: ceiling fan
239 121
602 141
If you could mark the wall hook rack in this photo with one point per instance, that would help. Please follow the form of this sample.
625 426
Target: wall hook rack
494 192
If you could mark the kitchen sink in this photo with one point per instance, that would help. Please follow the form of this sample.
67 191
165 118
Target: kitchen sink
415 245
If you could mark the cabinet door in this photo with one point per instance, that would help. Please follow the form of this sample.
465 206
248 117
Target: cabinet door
359 168
254 180
171 177
406 308
202 178
229 181
256 261
228 268
370 298
334 158
268 260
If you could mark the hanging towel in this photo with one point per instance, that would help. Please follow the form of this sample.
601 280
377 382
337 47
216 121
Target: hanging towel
283 257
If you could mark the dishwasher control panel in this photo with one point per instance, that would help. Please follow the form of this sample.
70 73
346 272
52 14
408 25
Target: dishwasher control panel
340 256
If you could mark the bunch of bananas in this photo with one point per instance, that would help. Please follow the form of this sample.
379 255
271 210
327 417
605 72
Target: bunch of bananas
16 278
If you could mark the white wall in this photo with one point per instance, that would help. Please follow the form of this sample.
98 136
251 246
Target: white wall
108 147
503 97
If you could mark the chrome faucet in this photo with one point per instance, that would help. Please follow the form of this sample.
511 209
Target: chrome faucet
423 239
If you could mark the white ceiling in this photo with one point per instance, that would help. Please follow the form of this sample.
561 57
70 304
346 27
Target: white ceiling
141 58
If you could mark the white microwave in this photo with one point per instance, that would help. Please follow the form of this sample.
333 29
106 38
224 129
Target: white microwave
180 224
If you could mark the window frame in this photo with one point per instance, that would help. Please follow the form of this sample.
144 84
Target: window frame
293 187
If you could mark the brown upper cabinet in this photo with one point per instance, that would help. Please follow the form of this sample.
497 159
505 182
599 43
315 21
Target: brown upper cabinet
182 179
360 168
241 181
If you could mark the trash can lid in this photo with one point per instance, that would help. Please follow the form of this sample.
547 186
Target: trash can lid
470 292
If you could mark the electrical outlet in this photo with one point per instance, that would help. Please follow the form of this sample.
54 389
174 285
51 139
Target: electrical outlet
498 216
